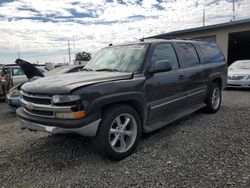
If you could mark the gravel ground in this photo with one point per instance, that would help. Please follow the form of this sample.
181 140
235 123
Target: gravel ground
198 151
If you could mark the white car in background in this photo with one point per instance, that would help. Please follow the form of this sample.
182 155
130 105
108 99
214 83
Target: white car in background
239 74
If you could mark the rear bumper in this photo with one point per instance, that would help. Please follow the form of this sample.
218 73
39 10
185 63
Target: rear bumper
86 126
238 83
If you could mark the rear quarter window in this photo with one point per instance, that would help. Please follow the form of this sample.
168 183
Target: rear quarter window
211 53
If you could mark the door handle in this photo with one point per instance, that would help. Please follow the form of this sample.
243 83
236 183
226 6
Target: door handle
181 77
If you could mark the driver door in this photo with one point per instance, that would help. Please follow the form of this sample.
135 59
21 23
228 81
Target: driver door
164 90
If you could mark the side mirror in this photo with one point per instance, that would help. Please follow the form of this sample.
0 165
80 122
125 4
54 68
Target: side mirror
160 66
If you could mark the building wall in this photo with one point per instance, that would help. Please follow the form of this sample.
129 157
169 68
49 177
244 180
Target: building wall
221 35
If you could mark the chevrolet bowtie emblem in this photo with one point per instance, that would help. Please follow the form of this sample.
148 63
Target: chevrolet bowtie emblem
29 106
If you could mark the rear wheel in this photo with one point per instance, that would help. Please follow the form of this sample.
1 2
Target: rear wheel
119 132
214 99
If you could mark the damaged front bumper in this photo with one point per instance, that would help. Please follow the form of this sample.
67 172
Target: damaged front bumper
86 126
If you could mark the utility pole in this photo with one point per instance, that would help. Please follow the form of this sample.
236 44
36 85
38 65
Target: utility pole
18 55
204 16
233 10
69 52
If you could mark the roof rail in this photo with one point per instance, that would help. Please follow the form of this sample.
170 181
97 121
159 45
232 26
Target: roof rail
163 38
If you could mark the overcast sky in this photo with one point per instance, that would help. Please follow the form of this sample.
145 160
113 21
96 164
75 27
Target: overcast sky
40 29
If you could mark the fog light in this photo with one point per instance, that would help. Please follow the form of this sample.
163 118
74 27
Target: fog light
70 115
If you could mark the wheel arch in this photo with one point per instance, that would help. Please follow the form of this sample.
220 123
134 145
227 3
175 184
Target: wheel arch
218 78
133 99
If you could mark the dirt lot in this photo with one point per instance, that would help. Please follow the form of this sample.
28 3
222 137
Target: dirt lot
198 151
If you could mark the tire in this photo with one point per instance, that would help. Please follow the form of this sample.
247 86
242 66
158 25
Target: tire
109 132
213 100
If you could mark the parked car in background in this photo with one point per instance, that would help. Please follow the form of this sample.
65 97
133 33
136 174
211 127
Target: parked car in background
126 90
32 72
11 75
16 73
239 74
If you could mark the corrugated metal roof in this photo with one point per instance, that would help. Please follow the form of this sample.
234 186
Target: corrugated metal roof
205 28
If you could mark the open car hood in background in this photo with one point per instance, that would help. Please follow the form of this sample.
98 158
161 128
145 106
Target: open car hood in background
29 69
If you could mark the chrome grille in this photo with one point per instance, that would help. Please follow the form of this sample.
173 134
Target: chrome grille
41 105
38 99
39 113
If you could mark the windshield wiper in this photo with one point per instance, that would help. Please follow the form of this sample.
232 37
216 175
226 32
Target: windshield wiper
110 70
85 69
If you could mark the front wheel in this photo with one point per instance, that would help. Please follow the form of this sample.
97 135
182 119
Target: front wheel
214 98
119 132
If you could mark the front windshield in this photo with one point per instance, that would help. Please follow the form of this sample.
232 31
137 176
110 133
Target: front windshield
127 58
240 65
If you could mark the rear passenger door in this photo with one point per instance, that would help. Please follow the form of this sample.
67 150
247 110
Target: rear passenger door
164 93
195 75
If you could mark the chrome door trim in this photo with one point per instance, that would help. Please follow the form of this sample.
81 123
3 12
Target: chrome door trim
165 101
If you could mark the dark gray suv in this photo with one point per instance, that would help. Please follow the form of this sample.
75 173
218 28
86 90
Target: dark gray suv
126 90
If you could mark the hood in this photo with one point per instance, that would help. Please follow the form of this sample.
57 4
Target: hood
29 69
65 83
238 71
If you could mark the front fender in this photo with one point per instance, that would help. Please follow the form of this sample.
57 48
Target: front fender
136 98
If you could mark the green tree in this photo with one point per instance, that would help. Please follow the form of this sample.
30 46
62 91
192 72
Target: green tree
83 56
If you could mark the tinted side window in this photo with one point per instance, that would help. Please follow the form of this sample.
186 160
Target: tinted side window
211 53
189 55
165 52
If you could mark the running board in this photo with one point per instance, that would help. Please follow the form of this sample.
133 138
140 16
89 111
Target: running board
154 126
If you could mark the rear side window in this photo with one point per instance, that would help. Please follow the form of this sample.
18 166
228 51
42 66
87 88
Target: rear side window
17 72
189 56
211 53
165 52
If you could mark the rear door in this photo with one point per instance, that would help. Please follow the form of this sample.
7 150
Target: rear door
164 93
195 75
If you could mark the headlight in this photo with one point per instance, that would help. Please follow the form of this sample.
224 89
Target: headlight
248 78
57 99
